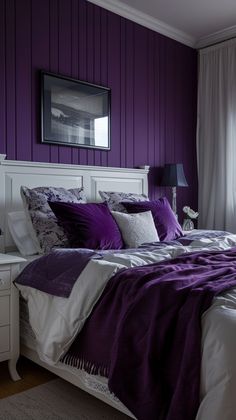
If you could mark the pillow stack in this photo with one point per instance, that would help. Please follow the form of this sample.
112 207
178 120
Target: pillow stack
61 218
94 226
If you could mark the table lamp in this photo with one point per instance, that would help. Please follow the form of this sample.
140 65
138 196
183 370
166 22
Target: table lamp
173 176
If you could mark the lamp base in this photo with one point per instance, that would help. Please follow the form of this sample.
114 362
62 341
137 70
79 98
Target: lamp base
174 198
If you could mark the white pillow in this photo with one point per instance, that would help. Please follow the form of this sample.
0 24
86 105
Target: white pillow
18 226
136 228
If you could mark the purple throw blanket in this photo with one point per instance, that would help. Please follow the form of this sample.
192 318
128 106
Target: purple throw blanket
145 333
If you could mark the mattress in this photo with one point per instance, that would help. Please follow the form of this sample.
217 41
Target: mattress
94 383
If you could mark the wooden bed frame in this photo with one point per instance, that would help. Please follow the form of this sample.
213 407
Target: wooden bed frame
13 174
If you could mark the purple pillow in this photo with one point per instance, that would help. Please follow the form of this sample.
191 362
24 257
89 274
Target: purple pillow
167 225
88 225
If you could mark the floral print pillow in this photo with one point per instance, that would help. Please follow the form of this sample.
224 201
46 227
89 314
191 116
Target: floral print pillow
114 199
44 228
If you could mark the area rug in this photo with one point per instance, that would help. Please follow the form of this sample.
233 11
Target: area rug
56 400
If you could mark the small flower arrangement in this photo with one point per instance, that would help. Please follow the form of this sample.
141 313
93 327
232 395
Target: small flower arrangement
190 213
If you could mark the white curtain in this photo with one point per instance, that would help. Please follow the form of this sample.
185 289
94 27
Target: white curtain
216 137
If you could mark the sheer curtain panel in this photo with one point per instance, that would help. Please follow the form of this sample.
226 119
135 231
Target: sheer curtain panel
216 137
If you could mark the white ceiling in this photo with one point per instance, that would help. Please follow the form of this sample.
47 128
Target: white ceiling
194 22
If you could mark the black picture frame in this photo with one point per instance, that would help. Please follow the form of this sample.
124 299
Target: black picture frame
74 112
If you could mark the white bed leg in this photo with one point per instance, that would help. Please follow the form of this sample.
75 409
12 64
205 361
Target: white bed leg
12 370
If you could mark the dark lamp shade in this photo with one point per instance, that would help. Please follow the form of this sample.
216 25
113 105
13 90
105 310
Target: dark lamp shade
173 175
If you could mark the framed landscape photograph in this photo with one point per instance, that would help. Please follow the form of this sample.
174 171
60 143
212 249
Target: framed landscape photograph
74 113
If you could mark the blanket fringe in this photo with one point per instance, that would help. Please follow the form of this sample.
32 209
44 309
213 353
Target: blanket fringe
83 364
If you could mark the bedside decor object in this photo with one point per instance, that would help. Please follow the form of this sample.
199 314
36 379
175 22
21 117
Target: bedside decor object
191 214
74 113
173 176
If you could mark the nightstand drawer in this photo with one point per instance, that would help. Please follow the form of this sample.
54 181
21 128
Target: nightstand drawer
4 339
4 311
5 280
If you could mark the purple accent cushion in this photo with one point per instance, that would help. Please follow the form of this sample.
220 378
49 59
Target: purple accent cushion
167 226
88 225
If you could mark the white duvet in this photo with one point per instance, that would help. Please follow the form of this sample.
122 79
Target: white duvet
56 321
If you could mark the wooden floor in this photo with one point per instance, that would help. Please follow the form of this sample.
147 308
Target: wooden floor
31 374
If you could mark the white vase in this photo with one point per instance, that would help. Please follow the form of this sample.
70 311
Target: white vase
188 224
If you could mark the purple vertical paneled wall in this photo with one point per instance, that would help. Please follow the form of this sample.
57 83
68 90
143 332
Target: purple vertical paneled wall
153 81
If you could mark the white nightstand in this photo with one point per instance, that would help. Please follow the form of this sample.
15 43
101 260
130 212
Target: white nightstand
9 312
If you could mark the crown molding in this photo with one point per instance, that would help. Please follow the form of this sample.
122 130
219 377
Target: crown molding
216 37
128 12
116 6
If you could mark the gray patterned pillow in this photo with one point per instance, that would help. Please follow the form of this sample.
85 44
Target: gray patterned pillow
114 199
44 229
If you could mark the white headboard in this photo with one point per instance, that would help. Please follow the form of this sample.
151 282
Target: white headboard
13 174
